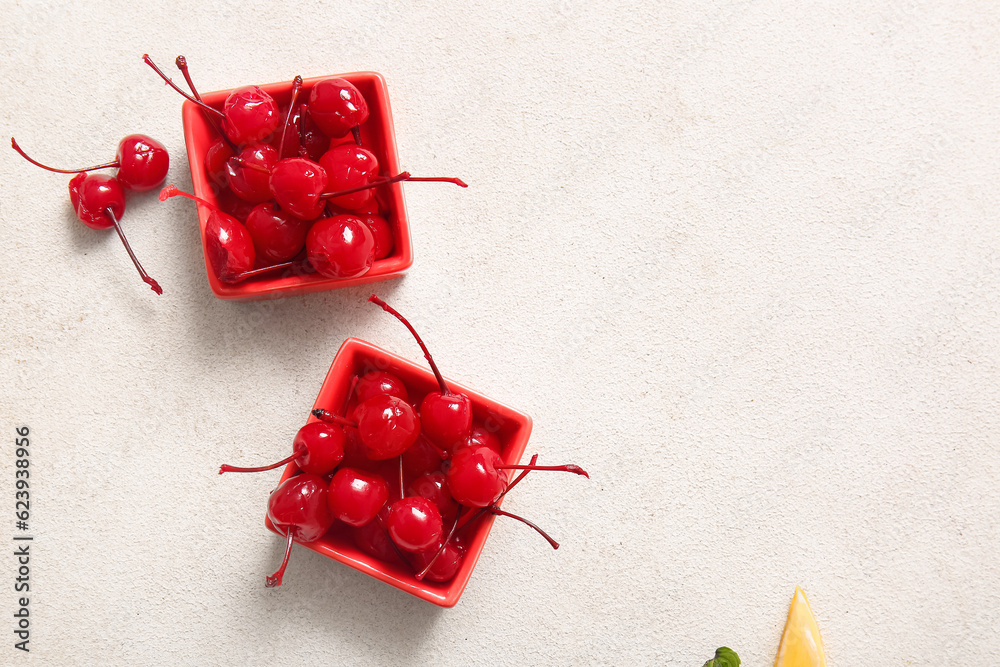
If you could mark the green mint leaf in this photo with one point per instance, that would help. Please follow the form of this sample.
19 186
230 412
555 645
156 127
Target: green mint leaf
724 657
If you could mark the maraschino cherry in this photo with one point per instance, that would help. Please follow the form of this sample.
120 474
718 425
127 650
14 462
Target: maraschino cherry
445 416
476 477
299 509
142 162
414 523
340 247
356 496
318 448
337 107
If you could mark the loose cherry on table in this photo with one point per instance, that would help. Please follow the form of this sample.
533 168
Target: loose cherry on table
99 200
318 448
445 416
299 509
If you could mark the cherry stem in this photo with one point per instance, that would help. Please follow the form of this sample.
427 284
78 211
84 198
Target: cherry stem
402 488
173 191
107 165
153 285
182 65
296 85
275 579
496 510
228 468
564 468
386 180
146 59
240 162
392 311
350 394
356 131
330 418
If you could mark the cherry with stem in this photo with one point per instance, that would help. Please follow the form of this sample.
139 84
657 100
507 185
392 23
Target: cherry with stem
402 176
194 100
182 65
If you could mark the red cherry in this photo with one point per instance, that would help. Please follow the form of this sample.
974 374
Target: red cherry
442 563
251 114
229 247
473 478
476 477
340 247
373 540
298 508
297 184
93 195
356 497
376 383
382 233
445 417
387 426
336 106
347 167
278 236
142 162
99 203
479 436
317 449
249 174
434 487
231 204
312 142
228 244
421 458
216 158
414 523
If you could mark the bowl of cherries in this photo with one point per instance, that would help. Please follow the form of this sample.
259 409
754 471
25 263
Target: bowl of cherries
298 184
399 473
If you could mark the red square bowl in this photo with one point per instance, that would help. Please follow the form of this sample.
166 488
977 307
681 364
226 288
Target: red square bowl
512 428
377 135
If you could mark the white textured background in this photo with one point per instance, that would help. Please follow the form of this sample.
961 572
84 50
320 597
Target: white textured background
740 261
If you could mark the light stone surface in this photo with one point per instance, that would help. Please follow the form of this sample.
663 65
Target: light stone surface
739 260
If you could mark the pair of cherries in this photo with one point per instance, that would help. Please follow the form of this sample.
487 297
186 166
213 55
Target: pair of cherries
99 199
455 465
286 189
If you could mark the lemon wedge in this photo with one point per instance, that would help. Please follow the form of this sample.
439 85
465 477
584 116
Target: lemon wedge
801 645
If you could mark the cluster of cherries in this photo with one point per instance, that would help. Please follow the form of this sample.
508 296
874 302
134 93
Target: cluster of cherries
297 190
445 468
99 199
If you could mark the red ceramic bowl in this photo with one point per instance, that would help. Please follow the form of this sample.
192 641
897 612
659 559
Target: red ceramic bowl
378 136
513 428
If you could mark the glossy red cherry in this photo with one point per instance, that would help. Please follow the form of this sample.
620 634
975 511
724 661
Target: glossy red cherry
249 173
299 509
479 436
142 162
317 449
297 184
445 416
414 523
387 426
340 247
312 142
216 158
99 203
434 487
440 564
347 167
337 107
382 233
372 539
377 383
228 244
249 114
473 478
421 458
356 497
278 236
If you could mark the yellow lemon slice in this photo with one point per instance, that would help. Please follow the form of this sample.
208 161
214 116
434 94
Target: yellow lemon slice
801 645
